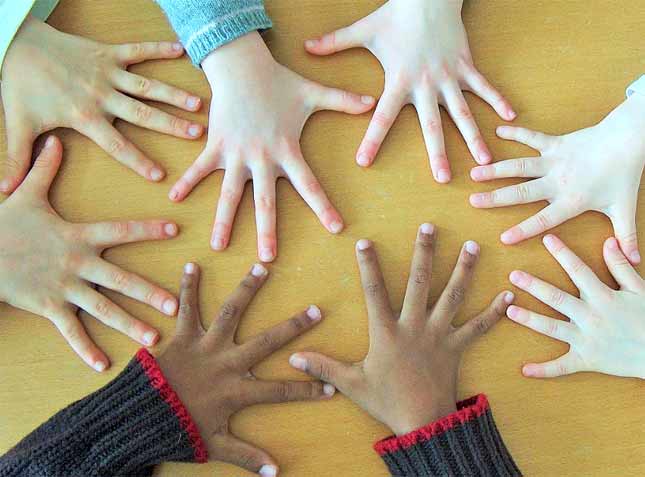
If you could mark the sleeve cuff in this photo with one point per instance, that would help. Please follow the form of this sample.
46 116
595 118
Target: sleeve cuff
466 442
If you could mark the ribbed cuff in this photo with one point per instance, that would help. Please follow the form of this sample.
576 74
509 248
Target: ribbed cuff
465 443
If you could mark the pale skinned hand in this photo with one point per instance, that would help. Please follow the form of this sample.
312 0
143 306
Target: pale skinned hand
423 49
212 373
598 168
409 377
606 331
258 111
52 79
48 266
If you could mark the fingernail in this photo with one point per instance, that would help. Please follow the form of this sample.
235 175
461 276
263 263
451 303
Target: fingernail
477 199
635 257
510 236
528 371
195 130
49 142
478 173
612 243
189 268
170 229
485 157
173 194
329 390
298 362
177 46
549 241
170 306
258 270
500 131
427 229
5 185
363 244
518 278
511 114
443 176
367 99
314 314
513 312
509 297
363 160
192 102
99 366
266 255
156 174
268 471
217 243
472 247
335 227
311 43
149 337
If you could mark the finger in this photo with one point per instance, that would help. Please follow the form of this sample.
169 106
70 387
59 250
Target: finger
460 113
548 294
228 448
276 392
154 90
339 40
549 217
341 375
45 168
579 272
228 318
110 276
453 295
387 110
263 345
333 99
136 112
430 119
466 334
306 184
200 169
189 320
524 193
627 235
20 140
528 137
557 329
116 145
417 293
626 276
113 316
562 366
131 53
110 234
528 167
478 84
265 215
229 200
75 334
379 310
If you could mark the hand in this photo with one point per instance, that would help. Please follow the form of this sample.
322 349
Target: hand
598 168
607 328
424 51
48 266
409 377
51 79
212 375
257 113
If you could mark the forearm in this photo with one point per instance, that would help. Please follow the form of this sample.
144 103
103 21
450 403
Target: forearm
464 443
125 428
204 25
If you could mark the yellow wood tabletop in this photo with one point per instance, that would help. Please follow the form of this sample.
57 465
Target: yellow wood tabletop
563 64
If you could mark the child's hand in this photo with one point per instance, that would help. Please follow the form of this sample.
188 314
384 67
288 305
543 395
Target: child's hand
607 328
212 374
257 113
51 79
48 266
424 51
597 168
409 377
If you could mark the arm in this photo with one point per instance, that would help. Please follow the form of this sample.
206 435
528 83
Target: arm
408 380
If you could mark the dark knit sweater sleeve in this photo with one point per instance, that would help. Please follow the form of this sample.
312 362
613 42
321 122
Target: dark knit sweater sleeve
465 443
124 429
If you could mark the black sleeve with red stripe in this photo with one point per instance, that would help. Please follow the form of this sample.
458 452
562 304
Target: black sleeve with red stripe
125 428
465 443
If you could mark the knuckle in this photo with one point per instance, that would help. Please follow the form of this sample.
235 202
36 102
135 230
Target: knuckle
185 307
143 85
456 295
266 202
381 119
561 369
143 112
121 230
324 372
120 279
522 192
421 276
177 124
372 289
284 391
230 194
228 312
266 341
116 146
299 323
246 461
137 50
557 297
103 308
313 187
462 112
543 221
433 126
553 328
521 167
482 325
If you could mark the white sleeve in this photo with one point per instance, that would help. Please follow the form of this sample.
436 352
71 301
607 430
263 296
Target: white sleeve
637 86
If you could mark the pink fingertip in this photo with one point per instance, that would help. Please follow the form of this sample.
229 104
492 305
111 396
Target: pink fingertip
513 312
529 371
509 297
363 160
443 176
612 244
519 279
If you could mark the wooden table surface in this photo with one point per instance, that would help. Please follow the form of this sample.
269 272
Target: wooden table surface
563 64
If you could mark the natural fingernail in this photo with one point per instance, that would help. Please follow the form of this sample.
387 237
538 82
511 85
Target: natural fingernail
478 173
266 255
49 142
511 114
100 366
511 236
189 268
173 194
192 102
427 229
485 157
518 278
217 243
156 174
509 297
314 314
170 306
336 227
513 312
635 257
298 362
549 241
195 130
363 160
5 185
472 247
612 243
149 338
329 390
443 176
311 43
528 371
258 270
367 99
268 471
363 244
477 199
170 229
177 46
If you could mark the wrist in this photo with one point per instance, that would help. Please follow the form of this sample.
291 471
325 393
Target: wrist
424 416
249 52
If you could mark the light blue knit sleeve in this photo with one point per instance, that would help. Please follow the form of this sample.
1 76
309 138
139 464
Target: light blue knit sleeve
204 25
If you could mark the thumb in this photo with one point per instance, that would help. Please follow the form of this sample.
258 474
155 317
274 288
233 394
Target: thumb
622 271
625 230
333 99
325 369
228 448
20 141
352 36
45 168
